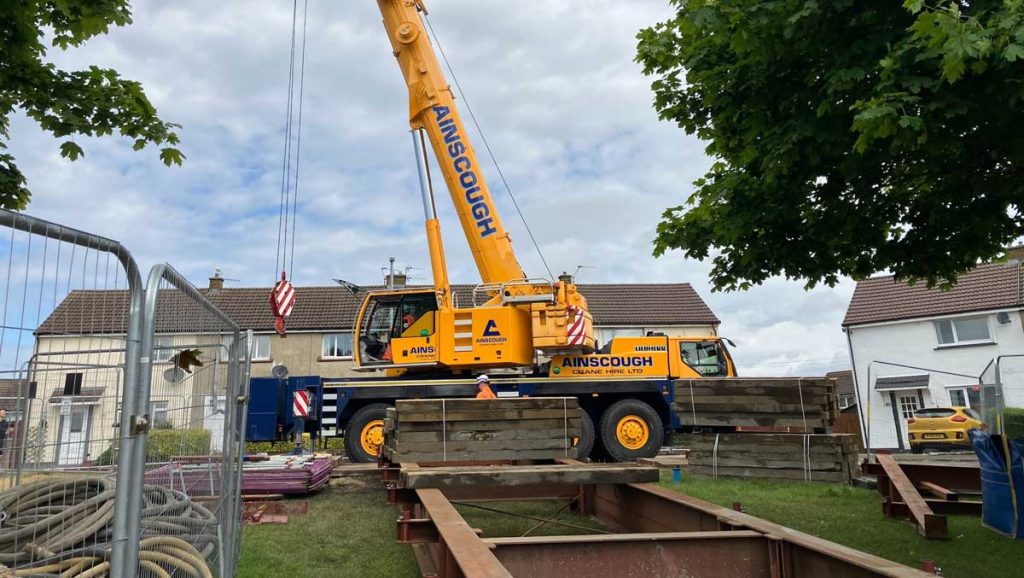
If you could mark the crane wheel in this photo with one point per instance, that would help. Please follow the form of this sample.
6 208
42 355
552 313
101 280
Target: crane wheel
631 429
364 434
585 443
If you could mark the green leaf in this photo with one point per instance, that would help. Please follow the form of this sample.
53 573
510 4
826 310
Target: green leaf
171 156
1013 52
70 150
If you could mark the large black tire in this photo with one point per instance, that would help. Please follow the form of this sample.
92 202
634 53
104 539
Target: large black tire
354 430
585 445
647 418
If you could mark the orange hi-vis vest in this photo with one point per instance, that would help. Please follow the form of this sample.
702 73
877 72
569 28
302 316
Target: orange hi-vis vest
486 393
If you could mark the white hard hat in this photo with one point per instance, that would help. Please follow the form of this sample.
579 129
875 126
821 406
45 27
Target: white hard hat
482 378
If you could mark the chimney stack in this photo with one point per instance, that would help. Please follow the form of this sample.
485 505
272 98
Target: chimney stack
565 278
396 280
216 282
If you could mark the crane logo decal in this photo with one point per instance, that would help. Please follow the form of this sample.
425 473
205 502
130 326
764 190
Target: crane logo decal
480 205
491 335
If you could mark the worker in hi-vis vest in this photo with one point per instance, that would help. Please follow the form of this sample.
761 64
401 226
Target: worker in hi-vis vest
483 383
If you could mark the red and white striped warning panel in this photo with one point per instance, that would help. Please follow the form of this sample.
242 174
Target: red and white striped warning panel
576 328
282 299
300 404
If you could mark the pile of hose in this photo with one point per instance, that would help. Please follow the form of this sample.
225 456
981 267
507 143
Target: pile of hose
63 528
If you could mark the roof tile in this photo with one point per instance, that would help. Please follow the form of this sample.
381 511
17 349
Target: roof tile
335 308
986 287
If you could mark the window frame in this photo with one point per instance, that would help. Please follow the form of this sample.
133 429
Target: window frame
163 348
324 351
903 407
153 410
957 341
254 347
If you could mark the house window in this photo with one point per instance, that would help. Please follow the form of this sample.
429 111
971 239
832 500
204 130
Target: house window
158 413
337 346
962 330
845 401
908 405
260 348
163 348
73 384
958 397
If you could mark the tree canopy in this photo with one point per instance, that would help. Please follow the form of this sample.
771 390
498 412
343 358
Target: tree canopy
92 102
847 137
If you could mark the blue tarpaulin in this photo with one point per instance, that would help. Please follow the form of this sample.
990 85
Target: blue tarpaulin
1002 482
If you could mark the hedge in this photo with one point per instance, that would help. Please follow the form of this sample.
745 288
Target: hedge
1013 423
163 444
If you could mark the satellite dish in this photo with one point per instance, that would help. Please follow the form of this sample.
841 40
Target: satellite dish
175 375
279 371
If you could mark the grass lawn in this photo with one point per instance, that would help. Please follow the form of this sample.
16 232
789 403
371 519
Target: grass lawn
853 517
349 531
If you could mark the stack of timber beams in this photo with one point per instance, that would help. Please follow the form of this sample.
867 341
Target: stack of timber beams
445 430
778 456
803 402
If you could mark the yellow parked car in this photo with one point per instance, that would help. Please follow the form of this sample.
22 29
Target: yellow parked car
942 428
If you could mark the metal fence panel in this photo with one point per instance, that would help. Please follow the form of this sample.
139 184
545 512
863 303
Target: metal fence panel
191 349
121 447
1002 386
70 376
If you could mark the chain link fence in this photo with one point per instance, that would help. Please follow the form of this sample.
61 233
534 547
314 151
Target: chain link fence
107 388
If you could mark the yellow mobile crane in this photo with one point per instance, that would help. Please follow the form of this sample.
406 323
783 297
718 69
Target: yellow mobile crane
424 329
429 344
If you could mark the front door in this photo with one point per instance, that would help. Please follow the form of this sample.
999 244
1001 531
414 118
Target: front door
908 403
74 436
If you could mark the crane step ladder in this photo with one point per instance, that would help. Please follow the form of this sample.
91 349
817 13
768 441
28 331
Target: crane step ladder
329 421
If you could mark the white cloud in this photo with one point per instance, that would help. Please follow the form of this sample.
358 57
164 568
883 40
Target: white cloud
566 110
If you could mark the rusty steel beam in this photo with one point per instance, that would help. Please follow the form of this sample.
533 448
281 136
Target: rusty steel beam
459 551
650 508
962 478
506 493
712 554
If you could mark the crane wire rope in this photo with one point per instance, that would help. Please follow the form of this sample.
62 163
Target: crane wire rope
288 209
487 145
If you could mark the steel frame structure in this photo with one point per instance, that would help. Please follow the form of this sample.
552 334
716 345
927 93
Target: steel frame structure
658 532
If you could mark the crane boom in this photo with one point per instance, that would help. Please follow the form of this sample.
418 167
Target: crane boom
432 108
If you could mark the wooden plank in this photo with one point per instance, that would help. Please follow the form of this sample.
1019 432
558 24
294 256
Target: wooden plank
477 435
482 456
528 475
939 491
403 448
705 472
765 419
404 405
489 425
485 414
929 524
769 463
754 406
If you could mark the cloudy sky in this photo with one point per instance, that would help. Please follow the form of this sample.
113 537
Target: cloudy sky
552 82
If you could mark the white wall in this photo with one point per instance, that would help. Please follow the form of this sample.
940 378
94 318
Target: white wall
915 343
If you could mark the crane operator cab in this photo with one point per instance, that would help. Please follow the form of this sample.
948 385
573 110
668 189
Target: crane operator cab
398 327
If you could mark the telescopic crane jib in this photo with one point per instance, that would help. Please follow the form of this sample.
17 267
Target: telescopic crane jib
512 316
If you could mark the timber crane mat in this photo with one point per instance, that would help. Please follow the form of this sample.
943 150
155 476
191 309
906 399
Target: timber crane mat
654 531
